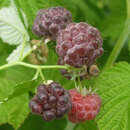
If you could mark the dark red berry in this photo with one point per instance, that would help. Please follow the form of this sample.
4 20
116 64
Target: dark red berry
79 44
49 21
51 101
83 107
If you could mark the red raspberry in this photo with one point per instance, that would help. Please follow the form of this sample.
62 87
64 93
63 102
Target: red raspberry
79 44
83 107
49 21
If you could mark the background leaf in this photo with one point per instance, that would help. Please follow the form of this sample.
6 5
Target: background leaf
114 87
114 19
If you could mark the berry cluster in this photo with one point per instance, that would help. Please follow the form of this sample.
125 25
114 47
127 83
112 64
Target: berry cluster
78 45
50 21
83 107
51 101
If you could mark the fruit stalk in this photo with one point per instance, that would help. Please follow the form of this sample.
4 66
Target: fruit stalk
33 66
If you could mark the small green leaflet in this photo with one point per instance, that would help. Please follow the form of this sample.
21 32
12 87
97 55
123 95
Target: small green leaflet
114 88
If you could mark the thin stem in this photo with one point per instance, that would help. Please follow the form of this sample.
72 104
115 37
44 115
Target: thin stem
79 84
36 75
42 76
119 45
70 126
8 65
75 83
128 8
33 66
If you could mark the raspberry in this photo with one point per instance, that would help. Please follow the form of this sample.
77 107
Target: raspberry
51 101
79 44
83 107
49 21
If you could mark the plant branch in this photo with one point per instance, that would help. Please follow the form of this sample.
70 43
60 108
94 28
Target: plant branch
70 126
33 66
42 76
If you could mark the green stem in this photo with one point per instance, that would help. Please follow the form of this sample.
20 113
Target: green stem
42 76
79 84
70 126
36 75
75 84
33 66
121 41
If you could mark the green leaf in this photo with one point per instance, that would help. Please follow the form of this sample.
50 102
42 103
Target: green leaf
5 90
24 18
14 56
17 74
114 88
12 30
14 111
23 88
9 78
